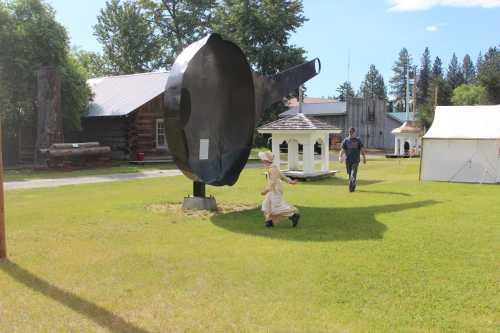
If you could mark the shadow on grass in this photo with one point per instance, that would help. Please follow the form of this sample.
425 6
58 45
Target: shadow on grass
385 193
99 315
335 181
318 224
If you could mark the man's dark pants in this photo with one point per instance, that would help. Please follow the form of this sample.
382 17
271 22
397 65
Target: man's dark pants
352 172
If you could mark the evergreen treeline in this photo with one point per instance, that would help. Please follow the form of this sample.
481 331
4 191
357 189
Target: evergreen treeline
463 82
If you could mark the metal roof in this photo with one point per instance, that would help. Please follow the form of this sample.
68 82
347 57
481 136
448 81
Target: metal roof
318 109
407 127
120 95
310 100
297 122
400 116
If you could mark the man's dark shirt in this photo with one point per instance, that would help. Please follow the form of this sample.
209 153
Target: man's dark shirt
352 149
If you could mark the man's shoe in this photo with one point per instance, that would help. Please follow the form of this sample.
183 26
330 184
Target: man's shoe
269 224
295 219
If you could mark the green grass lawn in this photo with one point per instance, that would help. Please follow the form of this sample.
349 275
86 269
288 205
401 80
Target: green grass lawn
28 174
397 255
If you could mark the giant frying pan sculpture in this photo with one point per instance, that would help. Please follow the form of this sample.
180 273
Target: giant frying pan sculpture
213 101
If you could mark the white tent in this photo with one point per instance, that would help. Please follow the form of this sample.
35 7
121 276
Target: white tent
463 145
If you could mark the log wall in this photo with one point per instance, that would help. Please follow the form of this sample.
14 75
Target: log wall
128 135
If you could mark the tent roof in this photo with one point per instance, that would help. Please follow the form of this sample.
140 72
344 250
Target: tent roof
120 95
465 122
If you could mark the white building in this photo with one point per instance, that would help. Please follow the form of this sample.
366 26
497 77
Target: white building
407 139
306 131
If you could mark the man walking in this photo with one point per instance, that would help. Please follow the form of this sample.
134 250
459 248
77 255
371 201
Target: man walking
352 147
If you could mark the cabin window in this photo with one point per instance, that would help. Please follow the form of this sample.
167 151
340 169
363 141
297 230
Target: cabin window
161 140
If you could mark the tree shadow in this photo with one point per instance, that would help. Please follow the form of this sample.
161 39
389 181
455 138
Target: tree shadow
336 181
385 193
318 224
99 315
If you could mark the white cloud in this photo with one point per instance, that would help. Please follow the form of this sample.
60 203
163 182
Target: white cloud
413 5
432 28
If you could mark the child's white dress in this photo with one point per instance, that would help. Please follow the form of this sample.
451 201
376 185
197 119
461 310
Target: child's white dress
274 206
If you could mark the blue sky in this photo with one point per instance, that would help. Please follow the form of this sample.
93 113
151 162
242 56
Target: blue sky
372 32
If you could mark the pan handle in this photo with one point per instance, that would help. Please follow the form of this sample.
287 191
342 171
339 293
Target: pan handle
270 90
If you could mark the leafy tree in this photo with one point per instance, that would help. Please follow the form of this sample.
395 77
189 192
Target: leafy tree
469 94
262 29
75 93
468 70
424 80
373 85
345 90
444 92
31 38
401 69
437 68
93 63
179 23
454 76
489 75
426 114
128 37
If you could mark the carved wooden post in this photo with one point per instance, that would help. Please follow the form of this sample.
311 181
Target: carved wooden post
49 128
3 242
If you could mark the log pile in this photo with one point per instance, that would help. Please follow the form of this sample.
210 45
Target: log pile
77 155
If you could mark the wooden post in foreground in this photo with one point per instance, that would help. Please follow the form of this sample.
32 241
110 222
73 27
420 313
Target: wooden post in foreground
3 243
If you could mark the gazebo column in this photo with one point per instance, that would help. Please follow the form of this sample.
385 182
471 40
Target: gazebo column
276 140
325 153
396 145
308 155
293 154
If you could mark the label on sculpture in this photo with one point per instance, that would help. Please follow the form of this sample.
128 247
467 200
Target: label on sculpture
204 149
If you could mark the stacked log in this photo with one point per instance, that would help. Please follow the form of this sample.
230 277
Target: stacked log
77 155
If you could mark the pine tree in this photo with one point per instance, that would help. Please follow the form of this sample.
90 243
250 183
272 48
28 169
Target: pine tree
454 76
345 90
437 68
489 75
398 82
468 70
479 62
424 80
373 85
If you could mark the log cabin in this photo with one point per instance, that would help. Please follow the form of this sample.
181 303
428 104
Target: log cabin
126 113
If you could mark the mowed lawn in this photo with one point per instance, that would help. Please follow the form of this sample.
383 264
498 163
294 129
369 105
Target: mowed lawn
397 255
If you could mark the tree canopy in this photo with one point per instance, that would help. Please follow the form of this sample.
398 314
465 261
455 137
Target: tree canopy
128 38
373 85
345 91
469 94
31 37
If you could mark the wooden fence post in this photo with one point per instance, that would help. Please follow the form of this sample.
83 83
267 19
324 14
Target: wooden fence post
3 243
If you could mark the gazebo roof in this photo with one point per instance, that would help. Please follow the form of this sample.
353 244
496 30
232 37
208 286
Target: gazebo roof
406 128
298 122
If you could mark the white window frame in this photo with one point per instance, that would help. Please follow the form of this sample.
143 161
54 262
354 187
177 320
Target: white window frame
160 121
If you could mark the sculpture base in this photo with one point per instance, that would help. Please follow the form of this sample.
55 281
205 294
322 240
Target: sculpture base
200 203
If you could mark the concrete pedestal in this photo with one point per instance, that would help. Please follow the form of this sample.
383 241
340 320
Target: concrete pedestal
200 203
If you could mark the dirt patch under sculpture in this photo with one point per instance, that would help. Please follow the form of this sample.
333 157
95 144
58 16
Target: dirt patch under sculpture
222 208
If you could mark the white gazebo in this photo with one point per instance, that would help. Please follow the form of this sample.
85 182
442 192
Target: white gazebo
306 131
410 135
